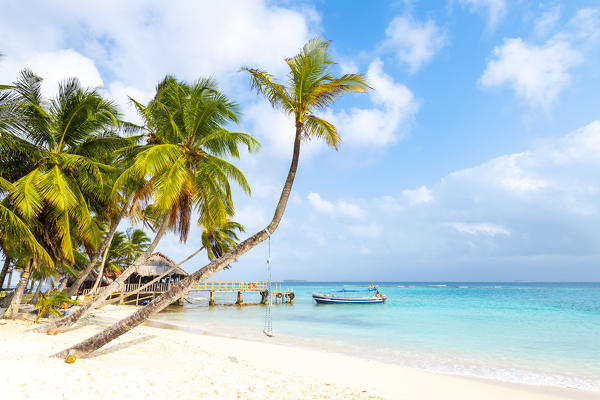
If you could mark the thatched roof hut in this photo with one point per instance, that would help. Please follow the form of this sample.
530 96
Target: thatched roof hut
158 264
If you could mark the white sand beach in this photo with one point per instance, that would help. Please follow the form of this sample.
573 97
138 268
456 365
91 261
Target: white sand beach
151 362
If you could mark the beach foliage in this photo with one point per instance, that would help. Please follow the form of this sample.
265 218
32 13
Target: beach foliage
51 304
311 87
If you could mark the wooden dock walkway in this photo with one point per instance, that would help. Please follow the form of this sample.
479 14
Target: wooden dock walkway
154 290
279 295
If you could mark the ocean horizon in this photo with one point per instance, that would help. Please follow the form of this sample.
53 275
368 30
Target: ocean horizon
545 333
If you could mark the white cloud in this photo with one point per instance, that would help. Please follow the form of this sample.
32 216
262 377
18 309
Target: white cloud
413 42
538 73
418 196
385 123
537 203
322 206
496 9
54 66
480 229
515 173
138 42
341 208
122 94
349 210
526 215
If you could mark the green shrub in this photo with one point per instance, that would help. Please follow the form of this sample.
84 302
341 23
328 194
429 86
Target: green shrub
50 304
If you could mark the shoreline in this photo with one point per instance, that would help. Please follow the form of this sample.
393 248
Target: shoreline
436 361
195 357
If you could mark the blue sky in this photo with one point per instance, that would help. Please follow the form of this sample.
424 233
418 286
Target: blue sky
477 156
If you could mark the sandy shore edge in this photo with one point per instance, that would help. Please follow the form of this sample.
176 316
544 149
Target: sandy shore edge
151 362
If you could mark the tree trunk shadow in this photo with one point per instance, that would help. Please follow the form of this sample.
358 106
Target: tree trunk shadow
120 346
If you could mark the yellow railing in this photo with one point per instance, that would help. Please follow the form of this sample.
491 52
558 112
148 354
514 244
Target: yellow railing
230 287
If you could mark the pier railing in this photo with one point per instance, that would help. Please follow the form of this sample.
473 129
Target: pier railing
230 287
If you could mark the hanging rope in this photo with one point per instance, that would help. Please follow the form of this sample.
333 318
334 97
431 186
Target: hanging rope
269 317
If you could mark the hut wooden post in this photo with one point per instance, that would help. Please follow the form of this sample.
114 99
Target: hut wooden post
211 300
240 300
137 299
264 296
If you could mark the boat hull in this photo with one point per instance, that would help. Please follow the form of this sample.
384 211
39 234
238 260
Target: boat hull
327 299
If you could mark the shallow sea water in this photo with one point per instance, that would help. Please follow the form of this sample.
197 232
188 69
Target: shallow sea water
538 333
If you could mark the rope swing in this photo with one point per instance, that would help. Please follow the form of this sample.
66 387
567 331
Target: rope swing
269 316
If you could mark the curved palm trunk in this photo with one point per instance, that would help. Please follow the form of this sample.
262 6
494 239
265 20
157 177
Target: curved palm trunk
4 271
36 295
13 310
101 269
74 289
117 284
114 331
62 283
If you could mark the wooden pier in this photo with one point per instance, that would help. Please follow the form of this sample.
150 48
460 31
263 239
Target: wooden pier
156 289
279 295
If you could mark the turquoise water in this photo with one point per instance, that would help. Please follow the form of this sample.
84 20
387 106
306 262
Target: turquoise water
540 333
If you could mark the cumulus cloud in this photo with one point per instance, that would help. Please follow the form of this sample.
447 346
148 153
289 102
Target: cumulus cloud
554 179
322 206
54 66
495 9
413 42
536 206
135 43
340 208
418 196
538 73
386 122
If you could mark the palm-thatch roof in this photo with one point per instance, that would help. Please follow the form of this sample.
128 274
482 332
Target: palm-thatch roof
157 264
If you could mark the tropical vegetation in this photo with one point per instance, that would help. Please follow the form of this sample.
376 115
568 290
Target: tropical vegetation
72 170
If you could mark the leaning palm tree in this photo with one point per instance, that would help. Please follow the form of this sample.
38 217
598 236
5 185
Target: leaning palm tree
311 87
182 165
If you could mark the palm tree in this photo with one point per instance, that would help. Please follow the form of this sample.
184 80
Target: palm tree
311 87
134 244
63 135
218 240
57 152
55 145
14 231
182 165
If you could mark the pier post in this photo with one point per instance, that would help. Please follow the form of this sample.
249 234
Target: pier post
211 300
264 296
240 300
